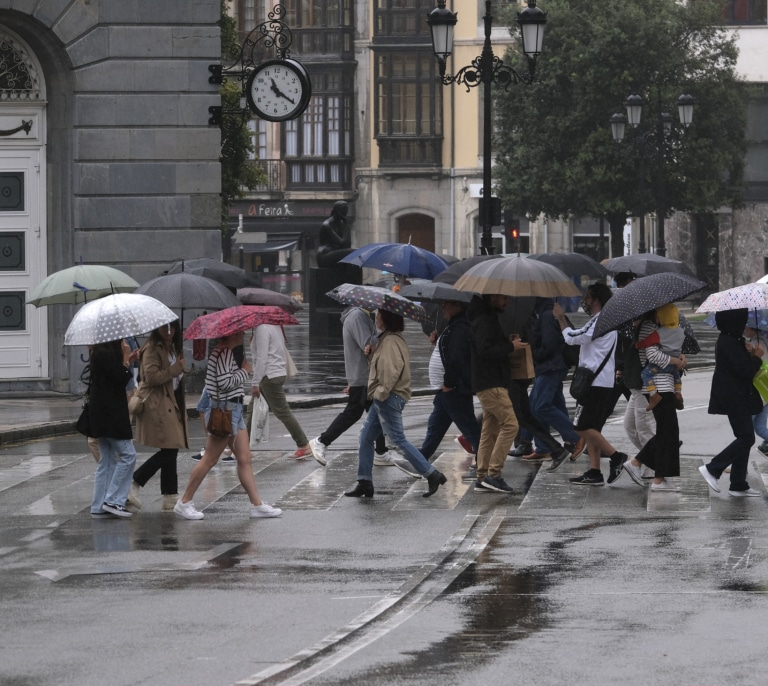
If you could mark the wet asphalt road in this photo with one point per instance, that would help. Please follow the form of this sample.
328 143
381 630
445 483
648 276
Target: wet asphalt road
553 584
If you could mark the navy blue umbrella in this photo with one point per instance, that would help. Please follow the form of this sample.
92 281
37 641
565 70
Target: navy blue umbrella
398 258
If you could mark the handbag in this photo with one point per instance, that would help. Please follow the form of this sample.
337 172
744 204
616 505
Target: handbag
83 423
583 378
136 401
219 418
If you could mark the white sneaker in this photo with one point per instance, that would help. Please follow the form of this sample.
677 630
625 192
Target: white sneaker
227 452
709 478
635 473
665 486
133 495
749 493
265 510
384 460
187 510
318 451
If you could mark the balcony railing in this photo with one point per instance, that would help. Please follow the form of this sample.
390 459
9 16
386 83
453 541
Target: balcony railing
274 171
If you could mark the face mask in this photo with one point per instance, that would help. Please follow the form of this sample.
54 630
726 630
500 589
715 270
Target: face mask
585 308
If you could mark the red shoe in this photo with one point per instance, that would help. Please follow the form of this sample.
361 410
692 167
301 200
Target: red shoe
578 448
302 453
536 457
466 446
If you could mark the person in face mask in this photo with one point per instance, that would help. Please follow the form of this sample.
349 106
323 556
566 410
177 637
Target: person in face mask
734 395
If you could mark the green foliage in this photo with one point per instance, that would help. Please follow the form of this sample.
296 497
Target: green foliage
554 150
237 169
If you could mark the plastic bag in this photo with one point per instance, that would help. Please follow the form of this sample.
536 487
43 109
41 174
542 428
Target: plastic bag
760 381
259 421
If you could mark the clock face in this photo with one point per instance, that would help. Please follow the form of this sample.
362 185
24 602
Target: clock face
278 90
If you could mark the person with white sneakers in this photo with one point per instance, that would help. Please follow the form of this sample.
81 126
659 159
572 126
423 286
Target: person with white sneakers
224 381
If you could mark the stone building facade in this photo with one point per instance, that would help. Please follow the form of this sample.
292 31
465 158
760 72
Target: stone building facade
118 167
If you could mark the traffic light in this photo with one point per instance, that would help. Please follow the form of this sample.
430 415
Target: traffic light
514 233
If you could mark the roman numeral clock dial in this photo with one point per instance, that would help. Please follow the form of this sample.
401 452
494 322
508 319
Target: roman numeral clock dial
278 90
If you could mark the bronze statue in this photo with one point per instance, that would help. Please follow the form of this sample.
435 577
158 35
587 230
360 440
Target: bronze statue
335 237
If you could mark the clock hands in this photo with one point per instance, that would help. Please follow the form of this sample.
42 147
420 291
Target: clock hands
280 93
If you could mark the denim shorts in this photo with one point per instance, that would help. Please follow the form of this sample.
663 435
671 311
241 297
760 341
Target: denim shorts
238 422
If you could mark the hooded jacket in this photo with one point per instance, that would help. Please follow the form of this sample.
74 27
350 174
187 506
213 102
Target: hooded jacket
490 348
732 391
357 331
547 341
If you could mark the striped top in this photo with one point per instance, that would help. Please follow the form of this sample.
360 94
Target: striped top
223 378
665 382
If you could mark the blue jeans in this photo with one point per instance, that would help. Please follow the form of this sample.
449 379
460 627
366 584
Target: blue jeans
449 408
387 416
548 404
114 472
760 422
238 422
736 453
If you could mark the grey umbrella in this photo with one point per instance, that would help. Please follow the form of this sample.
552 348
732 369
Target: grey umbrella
226 274
644 264
263 296
431 291
643 295
573 263
451 274
185 291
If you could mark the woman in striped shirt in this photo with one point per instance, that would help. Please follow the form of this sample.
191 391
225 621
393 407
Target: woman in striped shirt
662 452
224 380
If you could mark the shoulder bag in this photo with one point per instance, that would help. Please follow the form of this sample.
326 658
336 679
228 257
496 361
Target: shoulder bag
583 378
219 419
136 401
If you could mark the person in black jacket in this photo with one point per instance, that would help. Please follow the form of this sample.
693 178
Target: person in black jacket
111 424
490 381
734 395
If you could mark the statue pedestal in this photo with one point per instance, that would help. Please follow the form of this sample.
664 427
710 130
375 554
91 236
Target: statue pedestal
325 313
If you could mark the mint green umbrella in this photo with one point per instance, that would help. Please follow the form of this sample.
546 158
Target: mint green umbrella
79 284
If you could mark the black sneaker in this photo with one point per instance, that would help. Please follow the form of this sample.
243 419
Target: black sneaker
522 449
470 474
763 447
197 457
617 464
496 483
558 458
116 510
480 487
588 478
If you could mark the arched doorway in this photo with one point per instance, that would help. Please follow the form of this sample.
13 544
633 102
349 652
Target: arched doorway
23 328
417 228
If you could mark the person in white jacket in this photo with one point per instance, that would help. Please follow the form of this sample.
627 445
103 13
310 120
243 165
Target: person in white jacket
595 409
268 354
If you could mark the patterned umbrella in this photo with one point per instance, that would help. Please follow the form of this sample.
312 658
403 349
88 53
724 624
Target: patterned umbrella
238 318
263 296
517 276
646 263
753 296
398 258
643 295
375 298
457 269
185 291
573 263
116 316
79 284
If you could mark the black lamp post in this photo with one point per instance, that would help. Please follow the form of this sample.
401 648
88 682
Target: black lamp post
655 137
487 69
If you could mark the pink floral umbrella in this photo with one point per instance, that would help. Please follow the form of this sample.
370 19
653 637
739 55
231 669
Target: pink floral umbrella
239 318
752 296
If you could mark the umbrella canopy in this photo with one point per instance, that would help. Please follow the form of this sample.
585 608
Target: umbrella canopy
185 291
375 298
457 269
398 258
517 276
79 284
643 295
756 319
263 296
116 316
753 296
431 291
573 263
235 319
644 264
225 274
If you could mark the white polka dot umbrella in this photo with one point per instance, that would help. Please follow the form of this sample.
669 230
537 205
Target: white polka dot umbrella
117 316
752 296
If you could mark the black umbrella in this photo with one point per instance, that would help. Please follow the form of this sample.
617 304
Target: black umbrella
573 263
263 296
451 274
185 291
226 274
644 264
643 295
431 291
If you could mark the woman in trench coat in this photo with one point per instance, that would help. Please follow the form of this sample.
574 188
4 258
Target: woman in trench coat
163 422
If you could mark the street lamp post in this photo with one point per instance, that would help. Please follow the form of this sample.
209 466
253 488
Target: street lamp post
657 137
487 69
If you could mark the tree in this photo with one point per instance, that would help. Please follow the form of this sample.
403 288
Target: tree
237 170
554 151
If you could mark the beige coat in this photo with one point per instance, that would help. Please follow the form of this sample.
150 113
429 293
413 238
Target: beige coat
163 423
390 370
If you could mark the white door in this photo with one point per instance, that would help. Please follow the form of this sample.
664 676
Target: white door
23 328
